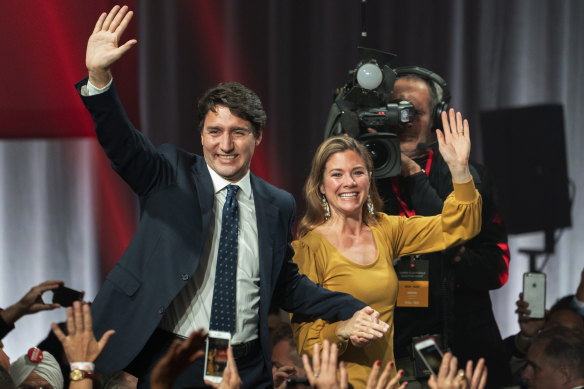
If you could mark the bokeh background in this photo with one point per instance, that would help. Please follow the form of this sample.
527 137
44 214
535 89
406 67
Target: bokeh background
65 215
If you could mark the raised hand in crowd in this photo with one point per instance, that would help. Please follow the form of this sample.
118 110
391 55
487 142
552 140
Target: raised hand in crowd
103 47
80 345
31 302
385 381
179 356
529 327
477 377
322 374
450 377
363 328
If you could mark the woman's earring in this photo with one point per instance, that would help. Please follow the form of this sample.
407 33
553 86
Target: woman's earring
370 206
327 210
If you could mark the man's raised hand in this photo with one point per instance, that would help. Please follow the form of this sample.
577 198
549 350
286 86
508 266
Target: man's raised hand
103 46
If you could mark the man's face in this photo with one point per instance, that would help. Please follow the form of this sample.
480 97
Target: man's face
539 373
228 143
285 355
417 92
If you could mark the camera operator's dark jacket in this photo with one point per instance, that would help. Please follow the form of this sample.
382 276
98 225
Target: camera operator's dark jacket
460 306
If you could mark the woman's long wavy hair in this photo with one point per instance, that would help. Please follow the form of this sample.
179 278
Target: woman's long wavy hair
314 215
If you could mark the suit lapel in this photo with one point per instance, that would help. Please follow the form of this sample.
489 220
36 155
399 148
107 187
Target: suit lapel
267 219
204 189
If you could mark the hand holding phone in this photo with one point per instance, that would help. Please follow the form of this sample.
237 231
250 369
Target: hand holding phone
216 355
66 296
534 294
430 354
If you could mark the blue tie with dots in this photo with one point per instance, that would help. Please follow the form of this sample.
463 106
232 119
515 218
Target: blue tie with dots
223 307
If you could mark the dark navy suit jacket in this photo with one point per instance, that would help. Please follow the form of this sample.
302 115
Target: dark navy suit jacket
176 209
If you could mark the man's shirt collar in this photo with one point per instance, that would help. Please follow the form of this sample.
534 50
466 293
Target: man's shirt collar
219 183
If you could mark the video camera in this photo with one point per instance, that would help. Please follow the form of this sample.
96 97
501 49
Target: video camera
360 105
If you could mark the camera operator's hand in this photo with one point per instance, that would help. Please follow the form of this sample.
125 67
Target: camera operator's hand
454 143
408 166
32 302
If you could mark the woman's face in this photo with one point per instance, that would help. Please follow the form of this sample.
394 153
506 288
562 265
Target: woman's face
345 183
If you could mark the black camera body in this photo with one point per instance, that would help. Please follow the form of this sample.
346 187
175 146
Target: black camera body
360 105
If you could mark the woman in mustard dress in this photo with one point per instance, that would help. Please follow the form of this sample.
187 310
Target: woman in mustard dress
346 246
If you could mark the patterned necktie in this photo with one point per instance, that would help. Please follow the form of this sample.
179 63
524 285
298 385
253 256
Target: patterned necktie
223 307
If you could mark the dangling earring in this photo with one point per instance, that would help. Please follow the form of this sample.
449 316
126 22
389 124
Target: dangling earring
327 210
370 206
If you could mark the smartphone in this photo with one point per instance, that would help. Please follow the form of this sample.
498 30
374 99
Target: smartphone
297 383
430 354
534 293
66 296
216 355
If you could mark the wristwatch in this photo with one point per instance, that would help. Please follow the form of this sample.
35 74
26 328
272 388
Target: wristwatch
78 375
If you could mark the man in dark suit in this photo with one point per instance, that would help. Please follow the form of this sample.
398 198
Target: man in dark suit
166 283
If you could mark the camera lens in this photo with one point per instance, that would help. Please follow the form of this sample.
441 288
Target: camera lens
378 153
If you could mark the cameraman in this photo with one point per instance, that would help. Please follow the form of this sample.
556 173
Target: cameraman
456 282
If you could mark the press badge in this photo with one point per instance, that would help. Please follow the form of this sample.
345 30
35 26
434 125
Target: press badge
413 282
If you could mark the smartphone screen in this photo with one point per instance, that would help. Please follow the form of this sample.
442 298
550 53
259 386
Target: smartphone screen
430 354
534 293
66 296
216 355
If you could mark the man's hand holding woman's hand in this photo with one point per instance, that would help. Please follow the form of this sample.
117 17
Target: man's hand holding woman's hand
363 328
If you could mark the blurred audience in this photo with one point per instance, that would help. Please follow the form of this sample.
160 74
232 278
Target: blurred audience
555 360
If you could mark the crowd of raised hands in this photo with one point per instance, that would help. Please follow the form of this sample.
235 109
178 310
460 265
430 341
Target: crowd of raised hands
325 373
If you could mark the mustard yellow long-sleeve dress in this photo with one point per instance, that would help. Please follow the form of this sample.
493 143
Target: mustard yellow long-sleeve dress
376 284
